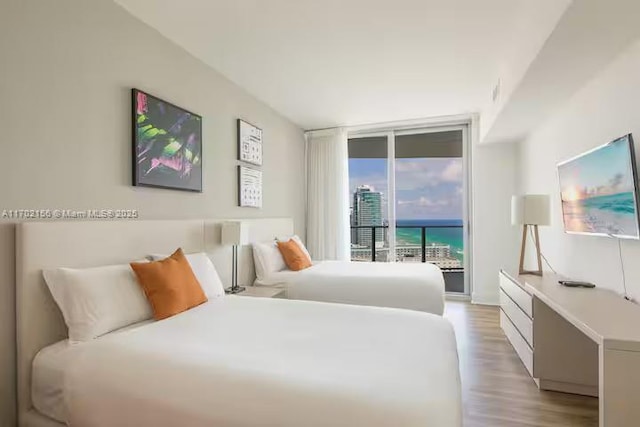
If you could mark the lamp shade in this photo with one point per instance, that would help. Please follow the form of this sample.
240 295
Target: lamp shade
235 233
530 209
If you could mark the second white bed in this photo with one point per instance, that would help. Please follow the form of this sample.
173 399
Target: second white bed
241 361
418 286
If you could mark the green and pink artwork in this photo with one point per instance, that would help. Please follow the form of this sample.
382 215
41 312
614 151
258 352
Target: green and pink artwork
167 144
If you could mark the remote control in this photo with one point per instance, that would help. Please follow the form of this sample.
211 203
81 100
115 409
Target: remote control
576 284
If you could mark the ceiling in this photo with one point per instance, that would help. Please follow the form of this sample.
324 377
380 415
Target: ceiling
348 62
586 39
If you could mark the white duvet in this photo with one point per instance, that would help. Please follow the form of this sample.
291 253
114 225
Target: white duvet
241 361
401 285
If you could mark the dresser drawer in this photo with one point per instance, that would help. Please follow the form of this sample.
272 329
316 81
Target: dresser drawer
518 317
519 344
517 294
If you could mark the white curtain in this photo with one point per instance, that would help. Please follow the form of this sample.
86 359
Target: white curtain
328 232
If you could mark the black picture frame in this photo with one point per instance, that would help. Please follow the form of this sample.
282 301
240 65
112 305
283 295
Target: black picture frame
168 170
242 170
239 142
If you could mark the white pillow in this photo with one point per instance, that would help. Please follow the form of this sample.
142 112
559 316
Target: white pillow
205 272
96 301
267 259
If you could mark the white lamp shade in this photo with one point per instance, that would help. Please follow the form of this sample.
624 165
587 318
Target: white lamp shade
530 209
235 233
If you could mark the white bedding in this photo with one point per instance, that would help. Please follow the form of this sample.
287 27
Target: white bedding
400 285
240 361
278 278
48 375
47 379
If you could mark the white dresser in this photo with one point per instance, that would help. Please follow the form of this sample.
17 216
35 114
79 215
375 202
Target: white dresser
516 317
574 340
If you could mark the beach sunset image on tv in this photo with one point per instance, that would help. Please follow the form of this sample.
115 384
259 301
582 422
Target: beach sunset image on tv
598 191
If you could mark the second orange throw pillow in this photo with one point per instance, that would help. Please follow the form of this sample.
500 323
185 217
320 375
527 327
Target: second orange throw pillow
293 255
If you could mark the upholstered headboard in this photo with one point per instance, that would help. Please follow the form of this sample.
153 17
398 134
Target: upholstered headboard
92 243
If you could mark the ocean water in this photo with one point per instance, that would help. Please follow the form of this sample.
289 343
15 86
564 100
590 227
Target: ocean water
451 234
621 203
610 214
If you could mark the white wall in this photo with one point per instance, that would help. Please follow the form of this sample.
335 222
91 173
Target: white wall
494 244
523 49
606 108
66 69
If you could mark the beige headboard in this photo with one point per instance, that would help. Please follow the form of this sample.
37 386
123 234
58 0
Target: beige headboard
92 243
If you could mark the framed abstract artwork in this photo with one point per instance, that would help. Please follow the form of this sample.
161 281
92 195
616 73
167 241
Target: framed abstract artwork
249 187
249 143
167 144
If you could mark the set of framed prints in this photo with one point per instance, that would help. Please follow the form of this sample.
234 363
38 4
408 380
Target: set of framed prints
249 177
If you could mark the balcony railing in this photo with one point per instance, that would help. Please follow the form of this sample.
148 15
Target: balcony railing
454 276
423 239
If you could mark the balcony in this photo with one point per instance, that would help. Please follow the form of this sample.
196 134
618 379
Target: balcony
372 245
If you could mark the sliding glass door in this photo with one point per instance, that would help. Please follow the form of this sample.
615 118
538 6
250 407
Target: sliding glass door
369 192
408 190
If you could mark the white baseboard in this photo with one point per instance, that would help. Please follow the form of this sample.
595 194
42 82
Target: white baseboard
485 299
456 297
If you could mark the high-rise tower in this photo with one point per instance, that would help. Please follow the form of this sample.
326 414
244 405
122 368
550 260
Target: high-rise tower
367 211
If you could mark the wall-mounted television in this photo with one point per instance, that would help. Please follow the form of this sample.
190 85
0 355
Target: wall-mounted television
599 191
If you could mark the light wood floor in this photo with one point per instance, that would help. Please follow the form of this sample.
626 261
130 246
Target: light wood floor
497 391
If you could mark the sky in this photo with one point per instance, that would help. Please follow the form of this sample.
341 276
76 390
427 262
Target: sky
604 171
426 188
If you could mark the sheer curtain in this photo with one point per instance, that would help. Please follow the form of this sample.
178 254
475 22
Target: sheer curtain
328 232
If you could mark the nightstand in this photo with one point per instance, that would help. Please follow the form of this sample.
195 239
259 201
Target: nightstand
264 292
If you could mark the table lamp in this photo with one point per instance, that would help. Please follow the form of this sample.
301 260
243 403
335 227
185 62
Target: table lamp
235 233
530 210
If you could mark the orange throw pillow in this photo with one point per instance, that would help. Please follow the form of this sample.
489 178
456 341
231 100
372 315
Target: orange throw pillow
169 284
293 255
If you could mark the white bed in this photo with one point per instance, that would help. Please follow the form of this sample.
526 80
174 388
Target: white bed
234 361
47 390
281 363
48 376
400 285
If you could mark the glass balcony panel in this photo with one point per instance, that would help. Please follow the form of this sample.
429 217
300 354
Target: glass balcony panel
416 244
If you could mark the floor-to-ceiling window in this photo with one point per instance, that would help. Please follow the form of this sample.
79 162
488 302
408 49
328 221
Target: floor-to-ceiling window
408 199
368 189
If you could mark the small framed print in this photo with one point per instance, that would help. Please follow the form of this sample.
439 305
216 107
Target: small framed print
249 187
249 143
